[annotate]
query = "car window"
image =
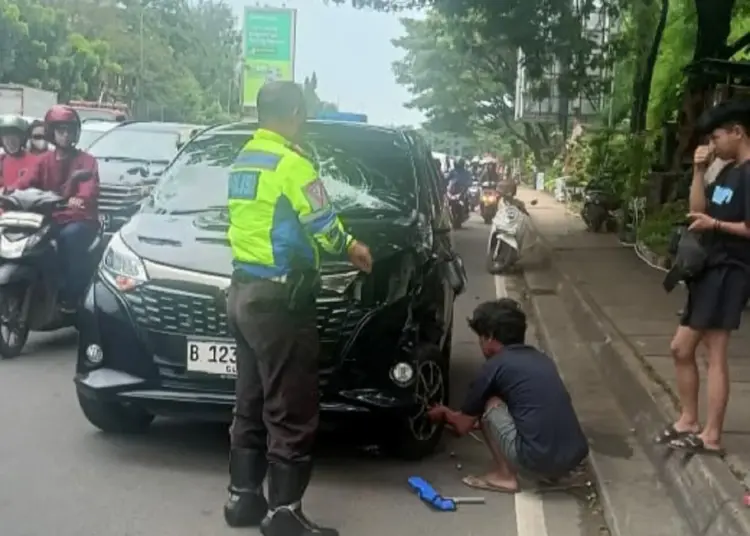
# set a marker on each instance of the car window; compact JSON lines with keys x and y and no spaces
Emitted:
{"x":136,"y":144}
{"x":373,"y":173}
{"x":89,"y":136}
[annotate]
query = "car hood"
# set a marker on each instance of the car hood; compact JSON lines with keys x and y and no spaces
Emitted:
{"x":116,"y":172}
{"x":199,"y":243}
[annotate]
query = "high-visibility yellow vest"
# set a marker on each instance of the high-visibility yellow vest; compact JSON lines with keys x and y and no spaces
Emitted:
{"x":279,"y":210}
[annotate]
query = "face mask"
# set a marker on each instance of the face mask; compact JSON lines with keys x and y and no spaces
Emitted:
{"x":39,"y":145}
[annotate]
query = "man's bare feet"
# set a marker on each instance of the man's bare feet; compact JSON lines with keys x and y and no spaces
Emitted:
{"x":493,"y":482}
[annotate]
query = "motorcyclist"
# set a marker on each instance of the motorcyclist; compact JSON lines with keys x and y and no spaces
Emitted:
{"x":16,"y":163}
{"x":37,"y":140}
{"x":78,"y":223}
{"x":459,"y":179}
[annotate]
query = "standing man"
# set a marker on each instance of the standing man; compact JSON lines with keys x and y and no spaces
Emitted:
{"x":279,"y":213}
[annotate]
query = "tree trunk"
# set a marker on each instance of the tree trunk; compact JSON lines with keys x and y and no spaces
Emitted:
{"x":714,"y":26}
{"x":642,"y":83}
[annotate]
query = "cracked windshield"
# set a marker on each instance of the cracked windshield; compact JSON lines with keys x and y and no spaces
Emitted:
{"x":323,"y":267}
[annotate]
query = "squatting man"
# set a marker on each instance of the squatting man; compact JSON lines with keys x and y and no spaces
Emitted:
{"x":520,"y":404}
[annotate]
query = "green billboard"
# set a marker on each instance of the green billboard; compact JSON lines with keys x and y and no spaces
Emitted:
{"x":269,"y":36}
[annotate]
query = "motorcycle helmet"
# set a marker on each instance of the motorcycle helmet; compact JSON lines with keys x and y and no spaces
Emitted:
{"x":62,"y":115}
{"x":15,"y":124}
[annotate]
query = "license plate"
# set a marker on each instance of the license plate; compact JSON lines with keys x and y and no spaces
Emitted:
{"x":212,"y":357}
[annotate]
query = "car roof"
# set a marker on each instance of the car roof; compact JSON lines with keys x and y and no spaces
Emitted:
{"x":157,"y":126}
{"x":102,"y":126}
{"x":349,"y":128}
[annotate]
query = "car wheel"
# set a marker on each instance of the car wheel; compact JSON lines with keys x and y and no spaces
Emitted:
{"x":414,"y":437}
{"x":114,"y":418}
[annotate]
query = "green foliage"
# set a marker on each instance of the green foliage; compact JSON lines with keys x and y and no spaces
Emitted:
{"x":462,"y":77}
{"x":544,"y":29}
{"x":615,"y":161}
{"x":656,"y":230}
{"x":172,"y":59}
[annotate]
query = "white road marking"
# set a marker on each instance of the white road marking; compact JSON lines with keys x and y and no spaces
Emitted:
{"x":530,"y":519}
{"x":501,"y":291}
{"x":530,"y":514}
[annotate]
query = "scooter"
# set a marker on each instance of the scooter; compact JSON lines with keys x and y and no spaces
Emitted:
{"x":459,"y":209}
{"x":474,"y":193}
{"x":598,"y":210}
{"x":507,"y":234}
{"x":488,"y":204}
{"x":29,"y":267}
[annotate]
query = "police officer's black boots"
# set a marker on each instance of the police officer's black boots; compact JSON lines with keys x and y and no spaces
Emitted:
{"x":287,"y":483}
{"x":246,"y":506}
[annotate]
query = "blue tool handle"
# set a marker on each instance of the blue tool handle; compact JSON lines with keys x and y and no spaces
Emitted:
{"x":427,"y":494}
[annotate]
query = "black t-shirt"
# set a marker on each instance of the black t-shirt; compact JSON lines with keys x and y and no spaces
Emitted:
{"x":550,"y":439}
{"x":728,"y":199}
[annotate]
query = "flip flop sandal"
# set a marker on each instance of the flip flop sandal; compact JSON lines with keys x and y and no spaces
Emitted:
{"x":476,"y":482}
{"x":693,"y":444}
{"x":670,"y":434}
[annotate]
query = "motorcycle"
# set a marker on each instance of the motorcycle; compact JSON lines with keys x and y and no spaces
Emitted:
{"x":474,"y":194}
{"x":29,"y":268}
{"x":507,"y":234}
{"x":598,"y":210}
{"x":488,"y":204}
{"x":459,"y":209}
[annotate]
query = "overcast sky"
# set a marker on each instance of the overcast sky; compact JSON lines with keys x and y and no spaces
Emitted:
{"x":351,"y":52}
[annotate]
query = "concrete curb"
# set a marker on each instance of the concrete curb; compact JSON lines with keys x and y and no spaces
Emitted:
{"x":704,"y":490}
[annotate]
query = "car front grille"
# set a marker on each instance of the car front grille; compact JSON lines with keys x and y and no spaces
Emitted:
{"x":192,"y":314}
{"x":116,"y":197}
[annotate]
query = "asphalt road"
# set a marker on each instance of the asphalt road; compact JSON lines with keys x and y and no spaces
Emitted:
{"x":59,"y":476}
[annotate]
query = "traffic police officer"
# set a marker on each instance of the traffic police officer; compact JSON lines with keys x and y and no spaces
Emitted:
{"x":279,"y":213}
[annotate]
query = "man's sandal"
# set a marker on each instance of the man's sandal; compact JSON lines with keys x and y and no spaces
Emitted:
{"x":693,"y":444}
{"x":669,"y":434}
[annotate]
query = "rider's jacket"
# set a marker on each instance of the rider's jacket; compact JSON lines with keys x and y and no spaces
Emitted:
{"x":279,"y":209}
{"x":53,"y":172}
{"x":13,"y":168}
{"x":460,"y":179}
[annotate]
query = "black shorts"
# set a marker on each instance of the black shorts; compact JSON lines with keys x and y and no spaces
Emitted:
{"x":716,"y":300}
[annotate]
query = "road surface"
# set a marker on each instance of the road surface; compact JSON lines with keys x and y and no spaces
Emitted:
{"x":59,"y":476}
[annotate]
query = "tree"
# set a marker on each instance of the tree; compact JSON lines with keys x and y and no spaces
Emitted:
{"x":547,"y":31}
{"x":314,"y":105}
{"x":463,"y":82}
{"x":170,"y":59}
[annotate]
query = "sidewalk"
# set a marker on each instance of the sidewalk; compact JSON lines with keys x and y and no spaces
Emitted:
{"x":633,"y":316}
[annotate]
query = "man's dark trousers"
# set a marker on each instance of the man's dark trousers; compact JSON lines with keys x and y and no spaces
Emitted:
{"x":276,"y":413}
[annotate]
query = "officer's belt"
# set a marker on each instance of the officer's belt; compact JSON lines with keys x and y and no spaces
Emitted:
{"x":296,"y":291}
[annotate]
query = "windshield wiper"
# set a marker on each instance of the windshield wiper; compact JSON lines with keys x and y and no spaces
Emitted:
{"x":121,"y":159}
{"x":215,"y":208}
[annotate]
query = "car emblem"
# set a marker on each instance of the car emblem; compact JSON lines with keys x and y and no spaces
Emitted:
{"x":105,"y":220}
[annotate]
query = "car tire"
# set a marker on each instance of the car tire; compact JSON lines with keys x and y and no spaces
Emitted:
{"x":411,"y":437}
{"x":114,"y":418}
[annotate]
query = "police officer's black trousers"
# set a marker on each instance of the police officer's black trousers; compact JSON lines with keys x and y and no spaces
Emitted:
{"x":277,"y":407}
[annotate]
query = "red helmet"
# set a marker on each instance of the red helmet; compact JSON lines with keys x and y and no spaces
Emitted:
{"x":61,"y":114}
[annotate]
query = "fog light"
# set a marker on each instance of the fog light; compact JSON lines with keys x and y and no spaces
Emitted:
{"x":402,"y":373}
{"x":94,"y":354}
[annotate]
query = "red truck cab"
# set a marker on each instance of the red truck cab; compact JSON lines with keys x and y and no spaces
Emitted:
{"x":101,"y":111}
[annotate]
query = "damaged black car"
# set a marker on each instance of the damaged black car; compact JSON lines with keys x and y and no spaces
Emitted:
{"x":153,"y":334}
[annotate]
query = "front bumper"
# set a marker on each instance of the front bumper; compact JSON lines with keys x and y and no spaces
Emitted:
{"x":144,"y":365}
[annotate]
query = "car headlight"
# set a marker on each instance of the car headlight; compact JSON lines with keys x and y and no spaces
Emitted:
{"x":339,"y":283}
{"x":121,"y":267}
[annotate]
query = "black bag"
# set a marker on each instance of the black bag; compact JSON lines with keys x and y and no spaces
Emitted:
{"x":690,"y":261}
